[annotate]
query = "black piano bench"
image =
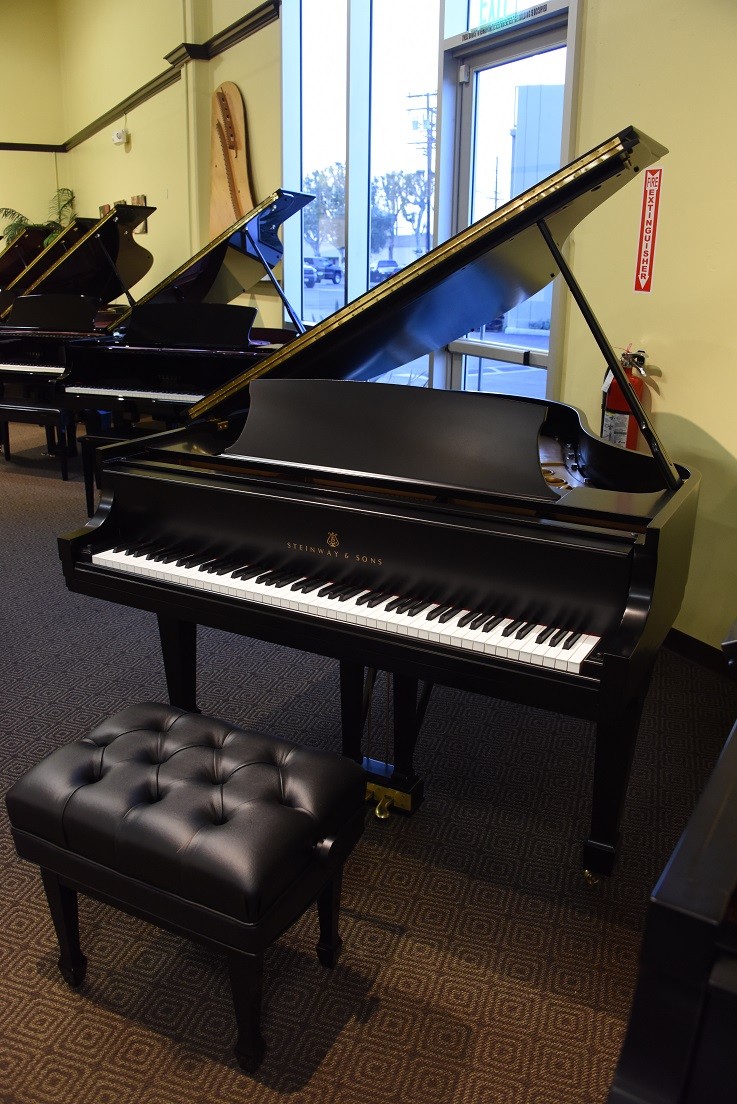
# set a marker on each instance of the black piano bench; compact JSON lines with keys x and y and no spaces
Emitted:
{"x":215,"y":832}
{"x":61,"y":429}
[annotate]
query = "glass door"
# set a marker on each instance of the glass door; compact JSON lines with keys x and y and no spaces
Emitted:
{"x":511,"y":121}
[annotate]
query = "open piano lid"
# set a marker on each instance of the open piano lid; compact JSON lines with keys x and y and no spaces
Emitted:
{"x":485,"y":270}
{"x":90,"y":257}
{"x":206,"y":277}
{"x":19,"y":253}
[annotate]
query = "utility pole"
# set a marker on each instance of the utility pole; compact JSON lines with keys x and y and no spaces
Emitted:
{"x":426,"y":123}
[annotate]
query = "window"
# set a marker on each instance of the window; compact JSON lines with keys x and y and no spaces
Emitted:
{"x":367,"y":147}
{"x":512,"y":80}
{"x":366,"y":140}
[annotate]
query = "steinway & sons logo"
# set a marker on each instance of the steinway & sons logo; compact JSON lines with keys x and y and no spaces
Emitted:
{"x":331,"y":547}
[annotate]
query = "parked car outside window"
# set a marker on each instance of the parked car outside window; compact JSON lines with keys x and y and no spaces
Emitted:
{"x":326,"y":268}
{"x":383,"y":270}
{"x":308,"y":274}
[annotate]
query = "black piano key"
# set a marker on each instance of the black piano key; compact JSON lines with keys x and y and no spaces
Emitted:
{"x":467,"y":618}
{"x":142,"y":548}
{"x":572,"y":639}
{"x":351,"y":593}
{"x":512,"y":628}
{"x":267,"y":576}
{"x":309,"y":586}
{"x":418,"y":607}
{"x":250,"y":572}
{"x":395,"y":603}
{"x":207,"y":564}
{"x":193,"y":560}
{"x":166,"y":555}
{"x":439,"y":609}
{"x":223,"y":566}
{"x":525,"y":630}
{"x":366,"y":598}
{"x":287,"y":578}
{"x":557,"y":638}
{"x":329,"y":591}
{"x":377,"y":599}
{"x":450,"y":612}
{"x":545,"y":634}
{"x":493,"y":623}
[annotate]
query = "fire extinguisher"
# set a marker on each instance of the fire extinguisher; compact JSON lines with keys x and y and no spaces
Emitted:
{"x":618,"y":424}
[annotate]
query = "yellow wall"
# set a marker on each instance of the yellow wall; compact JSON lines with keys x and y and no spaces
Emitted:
{"x":30,"y":105}
{"x":668,"y":67}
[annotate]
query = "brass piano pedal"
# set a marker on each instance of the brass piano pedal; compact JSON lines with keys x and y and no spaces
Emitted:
{"x":590,"y":878}
{"x":383,"y":807}
{"x":387,"y":799}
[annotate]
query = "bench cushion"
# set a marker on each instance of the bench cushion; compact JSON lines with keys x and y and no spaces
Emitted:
{"x":210,"y":813}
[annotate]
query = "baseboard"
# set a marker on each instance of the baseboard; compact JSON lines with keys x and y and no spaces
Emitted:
{"x":695,"y":650}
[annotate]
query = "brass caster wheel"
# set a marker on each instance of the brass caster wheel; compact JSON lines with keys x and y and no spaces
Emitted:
{"x":590,"y":878}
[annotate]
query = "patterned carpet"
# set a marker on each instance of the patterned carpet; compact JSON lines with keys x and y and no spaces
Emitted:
{"x":478,"y":968}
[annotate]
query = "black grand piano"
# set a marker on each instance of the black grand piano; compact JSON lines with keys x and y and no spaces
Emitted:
{"x":61,"y":293}
{"x":485,"y":542}
{"x":185,"y":337}
{"x":19,"y":253}
{"x":98,"y":258}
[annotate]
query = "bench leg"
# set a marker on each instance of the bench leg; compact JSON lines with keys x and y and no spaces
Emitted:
{"x":5,"y":432}
{"x":63,"y":907}
{"x":328,"y":911}
{"x":71,"y":437}
{"x":246,"y":983}
{"x":61,"y":449}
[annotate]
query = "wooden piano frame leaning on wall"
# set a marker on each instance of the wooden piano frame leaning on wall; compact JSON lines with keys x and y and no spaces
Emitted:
{"x":484,"y":542}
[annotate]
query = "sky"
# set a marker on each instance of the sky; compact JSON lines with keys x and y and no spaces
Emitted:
{"x":404,"y":62}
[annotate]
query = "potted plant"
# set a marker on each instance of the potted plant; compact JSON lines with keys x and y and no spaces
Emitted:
{"x":61,"y":211}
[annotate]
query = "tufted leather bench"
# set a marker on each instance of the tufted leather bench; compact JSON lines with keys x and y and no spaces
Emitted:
{"x":208,"y":830}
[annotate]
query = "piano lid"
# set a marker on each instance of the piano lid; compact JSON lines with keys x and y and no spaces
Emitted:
{"x":212,"y":275}
{"x":96,"y":257}
{"x":485,"y":270}
{"x":19,"y":253}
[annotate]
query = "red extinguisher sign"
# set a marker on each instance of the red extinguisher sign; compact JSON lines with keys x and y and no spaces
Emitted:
{"x":648,"y":229}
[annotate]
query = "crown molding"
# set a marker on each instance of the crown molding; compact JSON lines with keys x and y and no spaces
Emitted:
{"x":180,"y":56}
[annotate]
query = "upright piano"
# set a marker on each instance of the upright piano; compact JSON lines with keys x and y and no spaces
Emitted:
{"x":485,"y":542}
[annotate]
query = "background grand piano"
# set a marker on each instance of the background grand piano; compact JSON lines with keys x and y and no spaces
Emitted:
{"x":56,"y":296}
{"x":153,"y":358}
{"x":485,"y":542}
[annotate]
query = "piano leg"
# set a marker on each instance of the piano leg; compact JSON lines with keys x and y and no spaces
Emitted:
{"x":351,"y":708}
{"x":615,"y":747}
{"x":179,"y":649}
{"x":391,"y":785}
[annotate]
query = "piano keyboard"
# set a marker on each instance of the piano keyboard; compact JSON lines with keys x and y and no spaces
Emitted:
{"x":124,"y":393}
{"x":478,"y":631}
{"x":35,"y":369}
